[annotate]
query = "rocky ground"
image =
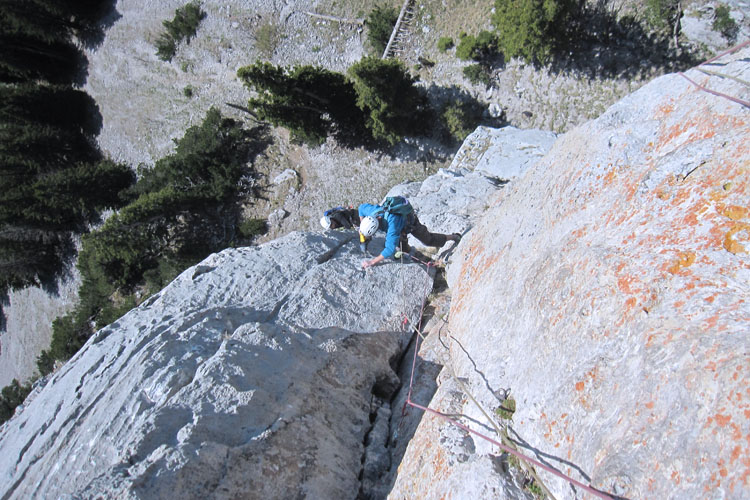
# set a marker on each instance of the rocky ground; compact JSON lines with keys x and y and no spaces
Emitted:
{"x":145,"y":103}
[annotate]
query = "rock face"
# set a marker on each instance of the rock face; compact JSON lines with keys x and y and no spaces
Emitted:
{"x":274,"y":361}
{"x":606,"y":291}
{"x":254,"y":374}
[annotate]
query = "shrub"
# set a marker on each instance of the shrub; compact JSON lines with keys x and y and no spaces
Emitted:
{"x":531,"y":29}
{"x":266,"y":39}
{"x":478,"y":73}
{"x":380,"y":23}
{"x":445,"y":43}
{"x":724,"y":24}
{"x":460,"y":118}
{"x":183,"y":26}
{"x":12,"y":396}
{"x":661,"y":14}
{"x":249,"y":228}
{"x":479,"y":48}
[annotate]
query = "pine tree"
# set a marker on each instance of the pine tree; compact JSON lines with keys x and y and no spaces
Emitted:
{"x":386,"y":92}
{"x":531,"y":29}
{"x":311,"y":102}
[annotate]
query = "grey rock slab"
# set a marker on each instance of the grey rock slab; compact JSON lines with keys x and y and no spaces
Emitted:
{"x":504,"y":153}
{"x":607,"y":289}
{"x":210,"y":387}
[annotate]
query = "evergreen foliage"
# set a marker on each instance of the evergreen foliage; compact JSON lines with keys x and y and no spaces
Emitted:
{"x":183,"y":26}
{"x":662,"y":14}
{"x":478,"y":73}
{"x":311,"y":102}
{"x":380,"y":23}
{"x":724,"y":24}
{"x":479,"y":48}
{"x":161,"y":231}
{"x":12,"y":396}
{"x":445,"y":43}
{"x":53,"y":180}
{"x":531,"y":29}
{"x":461,"y":118}
{"x":386,"y":92}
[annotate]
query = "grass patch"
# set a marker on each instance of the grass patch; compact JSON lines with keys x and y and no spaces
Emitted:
{"x":267,"y":38}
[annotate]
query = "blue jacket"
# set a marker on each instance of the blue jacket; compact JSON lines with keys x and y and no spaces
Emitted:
{"x":392,"y":224}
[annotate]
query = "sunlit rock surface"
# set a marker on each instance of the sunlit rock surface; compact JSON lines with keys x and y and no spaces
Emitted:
{"x":607,"y":290}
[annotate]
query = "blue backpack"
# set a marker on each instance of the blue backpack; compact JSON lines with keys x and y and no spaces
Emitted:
{"x":397,"y":205}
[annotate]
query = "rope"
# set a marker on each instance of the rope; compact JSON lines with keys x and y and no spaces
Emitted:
{"x":713,"y":92}
{"x":447,"y":418}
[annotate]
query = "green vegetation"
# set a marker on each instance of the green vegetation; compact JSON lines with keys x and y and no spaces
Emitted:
{"x":507,"y":409}
{"x":386,"y":93}
{"x":479,"y":48}
{"x":183,"y":26}
{"x":535,"y":489}
{"x":377,"y":100}
{"x":445,"y":43}
{"x":312,"y":102}
{"x":53,"y":180}
{"x":531,"y":29}
{"x":266,"y":39}
{"x":249,"y":228}
{"x":180,"y":210}
{"x":12,"y":396}
{"x":380,"y":23}
{"x":461,"y":118}
{"x":662,"y":14}
{"x":478,"y":73}
{"x":724,"y":24}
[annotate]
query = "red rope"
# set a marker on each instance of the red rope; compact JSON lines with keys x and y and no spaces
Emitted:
{"x":728,"y":51}
{"x":720,"y":94}
{"x":521,"y":456}
{"x":512,"y":451}
{"x":701,"y":87}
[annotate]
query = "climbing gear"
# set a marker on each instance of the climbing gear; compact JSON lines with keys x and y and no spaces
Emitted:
{"x":368,"y":226}
{"x":325,"y":221}
{"x":396,"y":205}
{"x":363,"y":241}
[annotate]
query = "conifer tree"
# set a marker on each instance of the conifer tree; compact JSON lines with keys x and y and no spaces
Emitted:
{"x":387,"y":94}
{"x":312,"y":102}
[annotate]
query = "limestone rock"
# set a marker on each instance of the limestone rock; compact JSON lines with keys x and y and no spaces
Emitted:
{"x":252,"y":375}
{"x":607,"y":289}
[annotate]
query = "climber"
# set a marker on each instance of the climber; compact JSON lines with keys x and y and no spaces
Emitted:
{"x":397,"y":218}
{"x":339,"y":217}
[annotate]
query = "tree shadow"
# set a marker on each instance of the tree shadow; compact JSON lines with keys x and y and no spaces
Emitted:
{"x":101,"y":19}
{"x":4,"y":301}
{"x":601,"y":45}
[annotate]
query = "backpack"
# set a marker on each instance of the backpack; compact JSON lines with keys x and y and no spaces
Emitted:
{"x":346,"y":217}
{"x":397,"y":205}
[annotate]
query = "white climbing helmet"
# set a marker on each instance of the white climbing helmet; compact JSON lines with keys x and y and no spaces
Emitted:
{"x":368,"y":226}
{"x":325,"y":221}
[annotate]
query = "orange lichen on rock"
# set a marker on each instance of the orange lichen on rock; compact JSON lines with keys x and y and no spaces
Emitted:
{"x":684,"y":259}
{"x":735,"y":212}
{"x":731,"y":244}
